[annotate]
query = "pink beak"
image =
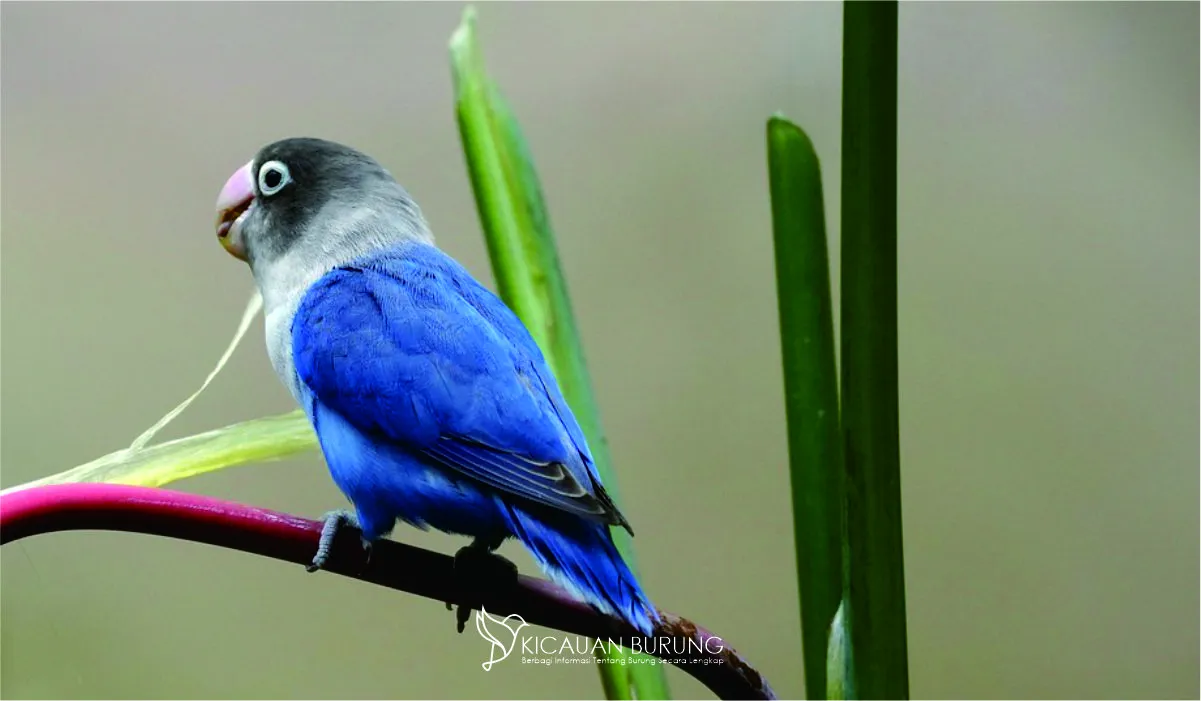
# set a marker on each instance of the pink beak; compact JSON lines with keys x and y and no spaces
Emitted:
{"x":232,"y":205}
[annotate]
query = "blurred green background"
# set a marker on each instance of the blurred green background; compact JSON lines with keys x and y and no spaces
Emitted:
{"x":1048,"y":326}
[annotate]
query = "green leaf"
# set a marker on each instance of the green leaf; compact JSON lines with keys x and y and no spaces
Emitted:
{"x":810,"y":385}
{"x":875,"y":574}
{"x":268,"y":438}
{"x":521,"y":245}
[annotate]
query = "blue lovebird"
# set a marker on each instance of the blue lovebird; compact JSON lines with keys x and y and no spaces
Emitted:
{"x":431,"y":402}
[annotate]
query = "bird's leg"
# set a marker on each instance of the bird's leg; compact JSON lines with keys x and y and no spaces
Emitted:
{"x":479,"y":567}
{"x":334,"y":521}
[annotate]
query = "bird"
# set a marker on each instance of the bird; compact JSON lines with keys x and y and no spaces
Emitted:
{"x":432,"y":403}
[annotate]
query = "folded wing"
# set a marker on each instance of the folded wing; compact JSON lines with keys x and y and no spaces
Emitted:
{"x":409,"y":347}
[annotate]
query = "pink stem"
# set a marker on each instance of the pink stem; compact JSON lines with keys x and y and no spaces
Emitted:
{"x":185,"y":516}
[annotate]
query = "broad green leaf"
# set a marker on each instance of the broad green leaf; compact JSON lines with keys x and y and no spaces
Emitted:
{"x":810,"y":385}
{"x":521,"y":245}
{"x":268,"y":438}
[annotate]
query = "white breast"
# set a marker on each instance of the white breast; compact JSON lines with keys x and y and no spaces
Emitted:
{"x":283,"y":285}
{"x":279,"y":346}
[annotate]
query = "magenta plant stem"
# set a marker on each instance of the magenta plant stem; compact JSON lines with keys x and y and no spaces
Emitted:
{"x":65,"y":507}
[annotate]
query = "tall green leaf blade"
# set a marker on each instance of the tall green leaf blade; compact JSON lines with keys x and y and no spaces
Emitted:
{"x":268,"y":438}
{"x":810,"y":385}
{"x":875,"y":576}
{"x":560,"y":330}
{"x":521,"y":245}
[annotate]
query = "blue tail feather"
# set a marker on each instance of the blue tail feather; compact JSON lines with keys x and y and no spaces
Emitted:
{"x":581,"y":557}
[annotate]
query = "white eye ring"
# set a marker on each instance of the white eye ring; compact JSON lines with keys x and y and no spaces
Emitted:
{"x":277,"y":173}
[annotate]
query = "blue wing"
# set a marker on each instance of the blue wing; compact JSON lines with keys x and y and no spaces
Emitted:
{"x":407,"y":346}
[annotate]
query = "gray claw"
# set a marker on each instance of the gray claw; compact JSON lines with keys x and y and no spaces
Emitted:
{"x":334,"y":521}
{"x":462,"y":615}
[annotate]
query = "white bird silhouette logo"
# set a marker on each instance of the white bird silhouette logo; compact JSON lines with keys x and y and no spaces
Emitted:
{"x":486,"y":634}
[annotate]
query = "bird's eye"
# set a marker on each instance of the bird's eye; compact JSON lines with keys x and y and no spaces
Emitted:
{"x":273,"y":176}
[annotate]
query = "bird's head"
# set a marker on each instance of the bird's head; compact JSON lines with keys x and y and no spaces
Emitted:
{"x":313,"y":199}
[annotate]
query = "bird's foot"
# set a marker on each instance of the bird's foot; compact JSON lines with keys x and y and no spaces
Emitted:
{"x":333,"y":522}
{"x":462,"y":615}
{"x":481,"y":568}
